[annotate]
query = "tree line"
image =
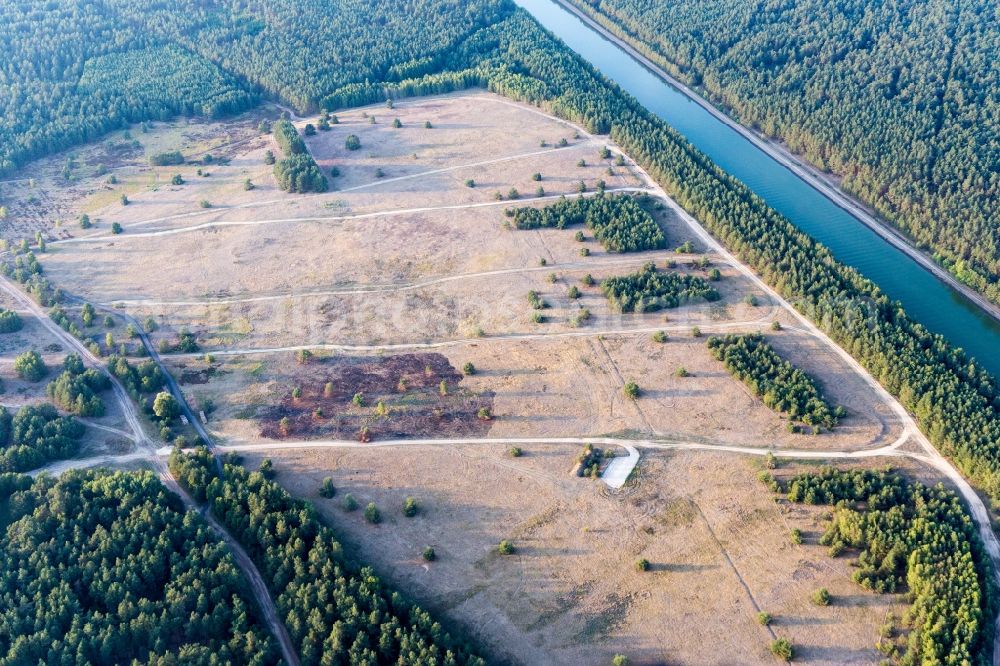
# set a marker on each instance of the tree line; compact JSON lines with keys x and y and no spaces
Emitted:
{"x":620,"y":223}
{"x":115,"y":571}
{"x":781,"y":385}
{"x":335,"y":612}
{"x":899,"y":99}
{"x":649,"y":290}
{"x":297,"y":171}
{"x":912,"y":537}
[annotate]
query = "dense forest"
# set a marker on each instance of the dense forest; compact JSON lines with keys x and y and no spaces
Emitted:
{"x":35,"y":435}
{"x":649,"y":290}
{"x":781,"y":385}
{"x":71,"y":70}
{"x":108,"y":568}
{"x":335,"y":613}
{"x":901,"y":99}
{"x":912,"y":538}
{"x":620,"y":223}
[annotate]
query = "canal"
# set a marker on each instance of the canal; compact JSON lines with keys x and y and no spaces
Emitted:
{"x":925,"y":298}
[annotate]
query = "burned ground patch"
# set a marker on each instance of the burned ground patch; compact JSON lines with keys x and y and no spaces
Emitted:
{"x":408,"y":395}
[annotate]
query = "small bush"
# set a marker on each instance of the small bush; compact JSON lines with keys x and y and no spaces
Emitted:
{"x":429,"y":554}
{"x":681,"y":372}
{"x":350,"y":504}
{"x":177,"y":179}
{"x":764,"y":618}
{"x":468,"y":369}
{"x":797,"y":538}
{"x":10,"y":321}
{"x":695,"y":332}
{"x":660,"y":336}
{"x":30,"y":366}
{"x":775,"y":325}
{"x":352,"y":142}
{"x":470,"y":183}
{"x":782,"y":649}
{"x":266,"y":467}
{"x":327,"y":489}
{"x":515,"y":452}
{"x":410,"y":507}
{"x":372,"y":514}
{"x":505,"y":547}
{"x":631,"y":390}
{"x":821,"y":597}
{"x":204,"y":203}
{"x":116,"y":228}
{"x":642,"y":564}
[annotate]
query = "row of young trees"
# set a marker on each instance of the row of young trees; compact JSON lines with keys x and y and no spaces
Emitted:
{"x":297,"y":171}
{"x":781,"y":385}
{"x":108,"y":568}
{"x":900,"y":99}
{"x":334,"y":612}
{"x":909,"y":536}
{"x":35,"y":435}
{"x":620,"y":223}
{"x":650,"y":290}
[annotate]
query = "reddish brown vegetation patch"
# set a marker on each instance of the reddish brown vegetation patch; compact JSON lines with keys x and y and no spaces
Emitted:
{"x":401,"y":396}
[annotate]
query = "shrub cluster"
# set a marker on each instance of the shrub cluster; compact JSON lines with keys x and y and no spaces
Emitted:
{"x":75,"y":389}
